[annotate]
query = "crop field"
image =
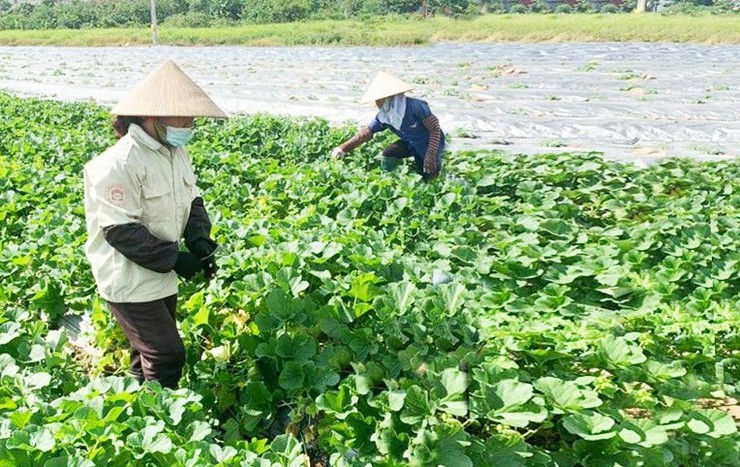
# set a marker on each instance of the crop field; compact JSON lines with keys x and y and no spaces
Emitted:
{"x":541,"y":310}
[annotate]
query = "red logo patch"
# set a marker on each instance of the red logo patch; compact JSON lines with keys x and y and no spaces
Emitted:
{"x":116,"y":195}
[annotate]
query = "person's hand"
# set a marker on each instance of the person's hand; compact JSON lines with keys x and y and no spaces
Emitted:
{"x":430,"y":164}
{"x":338,"y":153}
{"x":187,"y":265}
{"x":204,"y":249}
{"x":210,"y":268}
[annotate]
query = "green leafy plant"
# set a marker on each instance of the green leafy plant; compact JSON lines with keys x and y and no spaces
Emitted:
{"x":520,"y":310}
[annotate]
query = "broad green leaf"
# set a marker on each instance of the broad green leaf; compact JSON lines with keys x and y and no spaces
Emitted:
{"x":363,"y":287}
{"x":454,"y":381}
{"x":69,"y":461}
{"x":8,"y":404}
{"x":298,"y":285}
{"x":487,"y":180}
{"x":566,"y":395}
{"x":699,"y":426}
{"x":454,"y":297}
{"x":292,"y":376}
{"x":416,"y":406}
{"x":160,"y":443}
{"x":201,"y":317}
{"x":712,"y":422}
{"x":396,"y":400}
{"x":513,"y":393}
{"x":664,"y":371}
{"x":389,"y":442}
{"x":320,"y":378}
{"x":458,"y":408}
{"x":670,"y":417}
{"x":324,"y":275}
{"x":520,"y":418}
{"x":8,"y":366}
{"x":195,"y":301}
{"x":222,"y":454}
{"x":221,"y":353}
{"x":41,"y":439}
{"x":363,"y":385}
{"x":528,"y":222}
{"x":589,"y":425}
{"x":231,"y":429}
{"x":20,"y":418}
{"x":335,"y":402}
{"x":501,"y":450}
{"x":508,"y":402}
{"x":176,"y":410}
{"x":9,"y":331}
{"x":287,"y":446}
{"x":280,"y":305}
{"x":644,"y":432}
{"x":301,"y":347}
{"x":631,"y":435}
{"x":619,"y":353}
{"x":610,"y":277}
{"x":401,"y":295}
{"x":37,"y":354}
{"x":451,"y":454}
{"x":557,"y":227}
{"x":201,"y":430}
{"x":20,"y":439}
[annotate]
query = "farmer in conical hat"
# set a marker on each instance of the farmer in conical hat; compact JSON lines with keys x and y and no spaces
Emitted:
{"x":410,"y":119}
{"x":141,"y":199}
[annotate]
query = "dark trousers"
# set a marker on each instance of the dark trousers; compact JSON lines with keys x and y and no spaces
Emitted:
{"x":157,"y":351}
{"x":400,"y":150}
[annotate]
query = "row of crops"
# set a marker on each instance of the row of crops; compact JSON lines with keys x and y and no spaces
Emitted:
{"x":520,"y":311}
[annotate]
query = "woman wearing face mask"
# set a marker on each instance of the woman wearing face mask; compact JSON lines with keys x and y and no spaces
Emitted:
{"x":140,"y":201}
{"x":410,"y":119}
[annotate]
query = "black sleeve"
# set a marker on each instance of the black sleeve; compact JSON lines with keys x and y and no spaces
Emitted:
{"x":137,"y":244}
{"x":199,"y":225}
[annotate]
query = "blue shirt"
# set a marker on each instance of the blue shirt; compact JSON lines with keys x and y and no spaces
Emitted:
{"x":412,"y":131}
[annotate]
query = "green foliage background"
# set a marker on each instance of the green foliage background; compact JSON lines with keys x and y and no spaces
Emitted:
{"x":76,"y":14}
{"x":543,"y":310}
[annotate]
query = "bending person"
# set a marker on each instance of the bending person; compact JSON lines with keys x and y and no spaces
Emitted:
{"x":410,"y":119}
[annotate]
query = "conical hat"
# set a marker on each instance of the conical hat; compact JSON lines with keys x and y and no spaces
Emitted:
{"x":168,"y":92}
{"x":384,"y":85}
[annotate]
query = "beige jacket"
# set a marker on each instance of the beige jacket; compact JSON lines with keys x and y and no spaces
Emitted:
{"x":136,"y":180}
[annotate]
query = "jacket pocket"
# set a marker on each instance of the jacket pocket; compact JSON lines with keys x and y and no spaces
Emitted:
{"x":190,"y":180}
{"x":158,"y":203}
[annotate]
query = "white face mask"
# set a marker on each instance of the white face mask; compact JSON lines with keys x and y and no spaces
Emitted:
{"x":178,"y":137}
{"x":393,"y":110}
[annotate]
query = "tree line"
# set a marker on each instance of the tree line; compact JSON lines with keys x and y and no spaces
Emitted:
{"x":77,"y":14}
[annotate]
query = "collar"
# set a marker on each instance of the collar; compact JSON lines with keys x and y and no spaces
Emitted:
{"x":142,"y":137}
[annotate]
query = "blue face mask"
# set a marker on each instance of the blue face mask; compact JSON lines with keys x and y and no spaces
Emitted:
{"x":178,"y":137}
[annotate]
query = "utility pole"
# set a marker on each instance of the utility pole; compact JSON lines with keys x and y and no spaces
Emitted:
{"x":154,"y":21}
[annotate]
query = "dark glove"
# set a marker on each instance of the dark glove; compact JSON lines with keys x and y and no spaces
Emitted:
{"x":210,"y":267}
{"x":187,"y":265}
{"x":204,"y":249}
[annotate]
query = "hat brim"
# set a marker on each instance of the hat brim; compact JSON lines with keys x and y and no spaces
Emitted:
{"x":168,"y":92}
{"x":384,"y":85}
